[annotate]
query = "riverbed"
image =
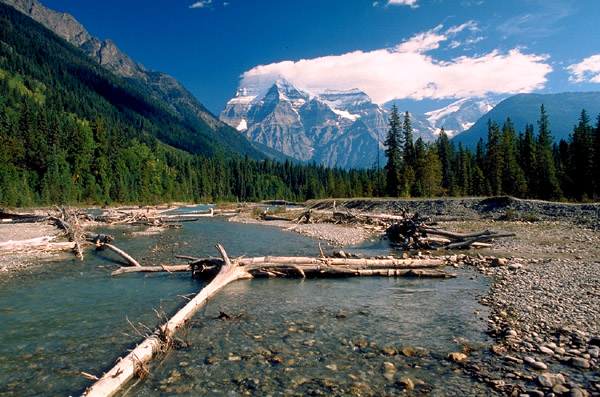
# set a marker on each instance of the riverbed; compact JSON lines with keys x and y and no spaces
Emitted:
{"x":332,"y":336}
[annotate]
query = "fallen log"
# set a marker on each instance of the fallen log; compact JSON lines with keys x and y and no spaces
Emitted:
{"x":68,"y":221}
{"x":122,"y":253}
{"x":160,"y":340}
{"x":152,"y":269}
{"x":242,"y":268}
{"x":43,"y":244}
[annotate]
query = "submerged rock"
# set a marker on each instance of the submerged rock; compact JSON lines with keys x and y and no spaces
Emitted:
{"x":457,"y":357}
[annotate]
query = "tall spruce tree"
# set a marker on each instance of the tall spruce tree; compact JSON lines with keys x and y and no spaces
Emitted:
{"x":548,"y":187}
{"x":582,"y":144}
{"x":393,"y":152}
{"x":445,"y":152}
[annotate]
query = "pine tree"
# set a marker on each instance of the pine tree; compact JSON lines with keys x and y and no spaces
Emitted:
{"x":494,"y":158}
{"x":513,"y":178}
{"x":548,"y":187}
{"x":528,"y":160}
{"x":393,"y":152}
{"x":582,"y":144}
{"x":445,"y":152}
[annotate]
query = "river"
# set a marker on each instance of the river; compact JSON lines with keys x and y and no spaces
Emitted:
{"x":284,"y":337}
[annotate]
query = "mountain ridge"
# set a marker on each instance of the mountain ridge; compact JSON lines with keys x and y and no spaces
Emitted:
{"x":336,"y":128}
{"x":563,"y":109}
{"x":157,"y":85}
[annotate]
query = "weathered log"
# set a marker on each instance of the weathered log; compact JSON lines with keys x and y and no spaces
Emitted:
{"x":44,"y":244}
{"x":152,"y":269}
{"x":266,"y":217}
{"x":68,"y":221}
{"x":126,"y":368}
{"x":208,"y":214}
{"x":122,"y":253}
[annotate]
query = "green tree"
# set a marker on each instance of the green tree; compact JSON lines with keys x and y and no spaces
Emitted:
{"x":582,"y":158}
{"x":513,"y":178}
{"x":548,"y":187}
{"x":445,"y":152}
{"x":393,"y":152}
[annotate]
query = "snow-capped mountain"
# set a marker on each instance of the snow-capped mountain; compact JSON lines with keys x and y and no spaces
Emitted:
{"x":458,"y":116}
{"x":335,"y":128}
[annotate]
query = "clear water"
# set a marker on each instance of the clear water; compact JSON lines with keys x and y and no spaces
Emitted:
{"x":288,"y":336}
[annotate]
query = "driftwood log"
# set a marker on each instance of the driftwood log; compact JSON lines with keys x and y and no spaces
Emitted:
{"x":227,"y":271}
{"x":69,"y":222}
{"x":414,"y":233}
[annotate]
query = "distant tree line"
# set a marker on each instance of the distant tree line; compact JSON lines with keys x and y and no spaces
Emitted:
{"x":526,"y":165}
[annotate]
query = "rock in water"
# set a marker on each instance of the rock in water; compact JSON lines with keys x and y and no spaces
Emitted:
{"x":456,"y":357}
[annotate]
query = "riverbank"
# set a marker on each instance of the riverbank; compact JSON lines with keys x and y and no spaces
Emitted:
{"x":545,"y":297}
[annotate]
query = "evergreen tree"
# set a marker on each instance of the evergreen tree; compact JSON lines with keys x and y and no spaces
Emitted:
{"x":445,"y":152}
{"x":494,"y":158}
{"x":393,"y":152}
{"x":513,"y":178}
{"x":429,"y":172}
{"x":548,"y":187}
{"x":528,"y":161}
{"x":582,"y":156}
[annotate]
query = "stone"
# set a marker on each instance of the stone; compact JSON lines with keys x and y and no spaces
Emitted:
{"x":535,"y":365}
{"x":497,"y":262}
{"x":361,"y":344}
{"x":559,"y":350}
{"x":550,"y":380}
{"x":578,"y":362}
{"x":546,"y":350}
{"x":389,"y":367}
{"x":577,"y":392}
{"x":406,"y":383}
{"x":535,"y":393}
{"x":594,"y":353}
{"x":595,"y":341}
{"x":515,"y":266}
{"x":456,"y":357}
{"x":389,"y":351}
{"x":276,"y":359}
{"x":409,"y":351}
{"x":560,"y":389}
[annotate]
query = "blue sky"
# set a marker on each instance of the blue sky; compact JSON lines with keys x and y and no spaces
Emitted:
{"x":418,"y":53}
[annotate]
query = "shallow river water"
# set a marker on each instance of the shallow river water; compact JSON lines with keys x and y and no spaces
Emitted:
{"x":284,"y":337}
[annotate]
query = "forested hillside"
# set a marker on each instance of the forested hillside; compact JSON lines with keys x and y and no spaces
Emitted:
{"x":71,"y":132}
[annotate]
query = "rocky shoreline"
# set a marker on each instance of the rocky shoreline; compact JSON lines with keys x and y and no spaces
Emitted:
{"x":545,"y":297}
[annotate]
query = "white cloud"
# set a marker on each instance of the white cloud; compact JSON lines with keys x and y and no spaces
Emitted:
{"x":405,"y":71}
{"x":411,"y":3}
{"x":202,"y":4}
{"x":587,"y":70}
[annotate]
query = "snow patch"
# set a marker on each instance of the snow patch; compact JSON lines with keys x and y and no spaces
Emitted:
{"x":242,"y":126}
{"x":345,"y":114}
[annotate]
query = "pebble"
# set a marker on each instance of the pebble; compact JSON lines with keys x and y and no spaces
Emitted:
{"x":456,"y":357}
{"x":579,"y":362}
{"x":550,"y":380}
{"x":546,"y":350}
{"x":535,"y":365}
